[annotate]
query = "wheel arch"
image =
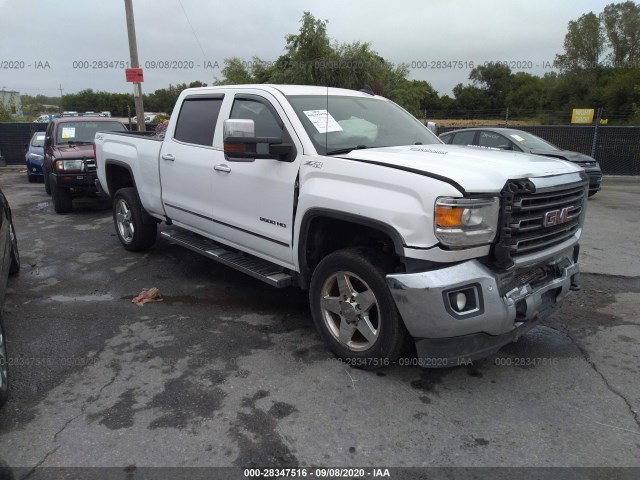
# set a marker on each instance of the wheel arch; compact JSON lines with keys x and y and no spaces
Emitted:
{"x":119,"y":175}
{"x":315,"y":239}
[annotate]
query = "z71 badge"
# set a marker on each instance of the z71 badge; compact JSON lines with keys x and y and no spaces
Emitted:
{"x":314,"y":164}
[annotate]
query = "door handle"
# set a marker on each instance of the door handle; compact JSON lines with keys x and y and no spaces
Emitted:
{"x":222,"y":168}
{"x":169,"y":157}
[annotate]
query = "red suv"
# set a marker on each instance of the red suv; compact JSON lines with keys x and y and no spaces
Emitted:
{"x":69,"y":160}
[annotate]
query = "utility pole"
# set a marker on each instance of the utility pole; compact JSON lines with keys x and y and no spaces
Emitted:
{"x":133,"y":52}
{"x":61,"y":109}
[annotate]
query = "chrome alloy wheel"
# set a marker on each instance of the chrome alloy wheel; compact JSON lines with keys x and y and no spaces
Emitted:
{"x":350,"y":311}
{"x":124,"y":221}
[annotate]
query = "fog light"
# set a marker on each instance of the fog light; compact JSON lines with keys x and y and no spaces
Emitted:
{"x":461,"y":301}
{"x":465,"y":301}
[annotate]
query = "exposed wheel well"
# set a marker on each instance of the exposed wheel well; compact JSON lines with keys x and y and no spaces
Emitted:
{"x":118,"y":177}
{"x":325,"y":235}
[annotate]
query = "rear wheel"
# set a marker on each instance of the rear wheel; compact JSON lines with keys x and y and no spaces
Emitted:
{"x":353,"y":309}
{"x":61,"y":199}
{"x":133,"y":233}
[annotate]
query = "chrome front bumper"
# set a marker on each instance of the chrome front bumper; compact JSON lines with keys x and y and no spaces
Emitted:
{"x":424,"y":302}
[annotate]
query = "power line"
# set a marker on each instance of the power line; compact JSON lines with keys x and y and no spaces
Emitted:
{"x":192,"y":29}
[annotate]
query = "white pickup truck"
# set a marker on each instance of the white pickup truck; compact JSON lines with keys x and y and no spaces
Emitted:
{"x":395,"y":235}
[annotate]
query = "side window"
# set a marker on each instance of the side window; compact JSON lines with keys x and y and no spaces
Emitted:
{"x":494,"y":140}
{"x":197,"y":120}
{"x":463,"y":138}
{"x":446,"y":138}
{"x":266,"y":124}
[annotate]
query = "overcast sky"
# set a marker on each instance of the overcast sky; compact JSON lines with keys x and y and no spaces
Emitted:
{"x":41,"y":41}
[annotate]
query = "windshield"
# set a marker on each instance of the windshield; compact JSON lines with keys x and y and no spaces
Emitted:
{"x":529,"y":141}
{"x":356,"y":122}
{"x":38,"y":140}
{"x":85,"y":132}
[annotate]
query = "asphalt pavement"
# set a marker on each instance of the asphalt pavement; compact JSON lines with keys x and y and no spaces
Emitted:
{"x":228,"y":371}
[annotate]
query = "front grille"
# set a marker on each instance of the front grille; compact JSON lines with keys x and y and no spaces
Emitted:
{"x":533,"y":221}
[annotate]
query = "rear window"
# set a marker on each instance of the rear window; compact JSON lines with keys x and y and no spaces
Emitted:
{"x":197,"y":120}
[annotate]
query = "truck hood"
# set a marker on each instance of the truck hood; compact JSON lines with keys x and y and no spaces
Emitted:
{"x":73,"y":151}
{"x":472,"y":168}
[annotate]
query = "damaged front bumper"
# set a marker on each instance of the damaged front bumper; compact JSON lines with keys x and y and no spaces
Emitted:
{"x":468,"y":311}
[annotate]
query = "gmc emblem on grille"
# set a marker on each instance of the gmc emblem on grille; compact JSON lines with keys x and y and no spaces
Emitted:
{"x":556,"y":217}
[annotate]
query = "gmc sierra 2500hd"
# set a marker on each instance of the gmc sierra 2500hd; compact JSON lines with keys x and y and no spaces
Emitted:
{"x":344,"y":193}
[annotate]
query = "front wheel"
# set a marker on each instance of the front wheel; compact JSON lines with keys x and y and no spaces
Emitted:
{"x":62,"y":199}
{"x":353,"y":309}
{"x":133,"y":233}
{"x":47,"y":182}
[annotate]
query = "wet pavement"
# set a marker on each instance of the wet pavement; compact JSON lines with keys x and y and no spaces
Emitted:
{"x":228,"y":371}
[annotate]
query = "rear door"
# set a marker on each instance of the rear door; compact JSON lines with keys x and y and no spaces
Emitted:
{"x":187,"y":159}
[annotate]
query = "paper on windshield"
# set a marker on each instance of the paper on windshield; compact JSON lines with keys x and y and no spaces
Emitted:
{"x":323,"y":121}
{"x":68,"y":132}
{"x":517,"y":137}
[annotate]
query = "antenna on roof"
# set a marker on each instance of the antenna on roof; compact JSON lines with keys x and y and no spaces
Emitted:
{"x":367,"y":89}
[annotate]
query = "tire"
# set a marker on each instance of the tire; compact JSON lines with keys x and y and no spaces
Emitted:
{"x":4,"y":365}
{"x":47,"y":182}
{"x":14,"y":268}
{"x":133,"y":233}
{"x":62,"y":202}
{"x":365,"y":329}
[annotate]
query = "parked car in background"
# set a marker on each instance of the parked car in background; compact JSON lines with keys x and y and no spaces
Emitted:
{"x":69,"y":160}
{"x":34,"y":156}
{"x":9,"y":265}
{"x":46,"y":118}
{"x":149,"y":117}
{"x":521,"y":141}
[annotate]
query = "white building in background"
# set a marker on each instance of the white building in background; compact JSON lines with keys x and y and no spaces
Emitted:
{"x":10,"y":100}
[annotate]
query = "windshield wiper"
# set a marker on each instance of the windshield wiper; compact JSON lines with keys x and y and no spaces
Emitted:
{"x":347,"y":150}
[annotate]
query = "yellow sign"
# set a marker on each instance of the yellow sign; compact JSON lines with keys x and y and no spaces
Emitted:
{"x":582,"y":115}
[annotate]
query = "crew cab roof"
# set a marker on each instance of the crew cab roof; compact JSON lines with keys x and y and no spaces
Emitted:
{"x":286,"y":90}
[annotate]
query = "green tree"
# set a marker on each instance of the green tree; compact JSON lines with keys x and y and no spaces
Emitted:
{"x":5,"y":115}
{"x":526,"y":94}
{"x":494,"y":80}
{"x":622,"y":26}
{"x":584,"y":44}
{"x":311,"y":58}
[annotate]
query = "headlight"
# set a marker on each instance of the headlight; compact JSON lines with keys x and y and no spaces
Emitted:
{"x":69,"y":166}
{"x":35,"y":156}
{"x":466,"y":222}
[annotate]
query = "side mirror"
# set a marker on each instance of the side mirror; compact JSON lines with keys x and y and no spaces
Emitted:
{"x":240,"y":142}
